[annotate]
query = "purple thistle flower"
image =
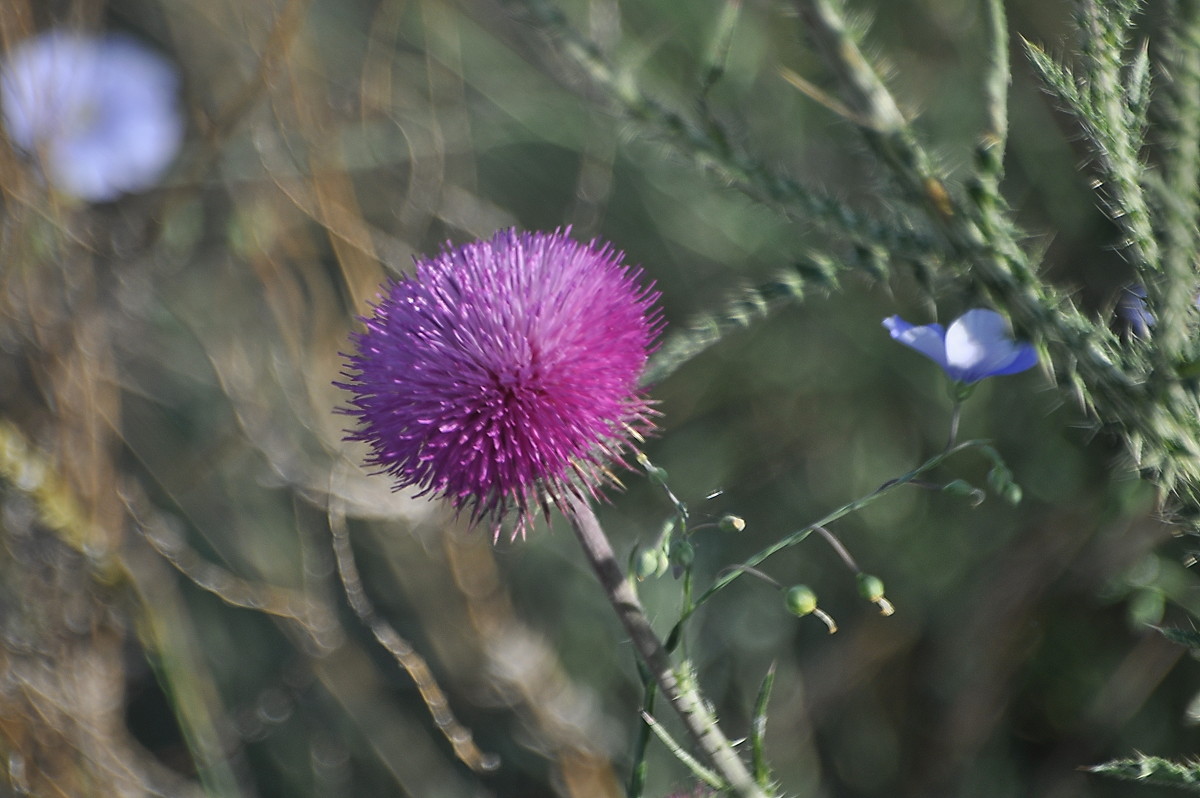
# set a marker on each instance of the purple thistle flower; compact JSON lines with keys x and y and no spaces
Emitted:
{"x":503,"y":374}
{"x":977,"y":345}
{"x":100,"y":114}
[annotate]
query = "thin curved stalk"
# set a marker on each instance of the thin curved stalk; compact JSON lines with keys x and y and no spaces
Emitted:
{"x":683,"y":694}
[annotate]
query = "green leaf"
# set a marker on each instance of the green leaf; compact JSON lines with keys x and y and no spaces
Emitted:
{"x":1137,"y":92}
{"x":758,"y":730}
{"x":1184,"y":637}
{"x":1058,"y":79}
{"x":1153,"y":770}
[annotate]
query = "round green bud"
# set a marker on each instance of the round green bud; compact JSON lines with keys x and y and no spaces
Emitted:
{"x":1012,"y":493}
{"x":683,"y":553}
{"x":800,"y":600}
{"x":999,"y":478}
{"x":646,"y":564}
{"x":870,"y":587}
{"x":1146,"y":608}
{"x":731,"y":523}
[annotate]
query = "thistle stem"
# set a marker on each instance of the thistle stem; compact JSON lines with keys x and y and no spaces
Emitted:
{"x":693,"y":710}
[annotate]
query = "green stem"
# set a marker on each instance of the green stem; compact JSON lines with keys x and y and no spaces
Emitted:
{"x":844,"y":510}
{"x":692,"y":708}
{"x":637,"y":776}
{"x":955,"y":417}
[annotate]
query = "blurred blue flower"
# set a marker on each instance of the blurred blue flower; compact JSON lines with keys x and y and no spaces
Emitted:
{"x":978,"y":344}
{"x":100,"y":113}
{"x":1132,"y":309}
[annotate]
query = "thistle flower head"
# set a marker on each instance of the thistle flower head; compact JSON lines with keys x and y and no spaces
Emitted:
{"x":503,"y":374}
{"x":977,"y":345}
{"x":100,"y":114}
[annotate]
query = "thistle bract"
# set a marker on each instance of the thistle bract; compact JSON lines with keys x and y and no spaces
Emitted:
{"x":977,"y":345}
{"x":503,"y":374}
{"x":100,"y":114}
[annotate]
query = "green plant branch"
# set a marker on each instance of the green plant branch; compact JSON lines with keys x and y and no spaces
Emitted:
{"x":682,"y":693}
{"x":1175,"y":186}
{"x":811,"y":272}
{"x":995,"y":84}
{"x":1137,"y":392}
{"x":705,"y":143}
{"x":802,"y":534}
{"x":1158,"y":415}
{"x":1153,"y":770}
{"x":637,"y":774}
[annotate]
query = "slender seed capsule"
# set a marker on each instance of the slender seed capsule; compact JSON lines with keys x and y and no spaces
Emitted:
{"x":731,"y":523}
{"x":959,"y":487}
{"x":871,"y":588}
{"x":683,"y":553}
{"x":802,"y":601}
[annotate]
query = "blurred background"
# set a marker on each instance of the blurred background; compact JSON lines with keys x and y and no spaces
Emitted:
{"x":172,"y":465}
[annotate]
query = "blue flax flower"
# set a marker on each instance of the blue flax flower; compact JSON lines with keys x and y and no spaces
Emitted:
{"x":1133,"y":310}
{"x":99,"y":114}
{"x":978,"y":344}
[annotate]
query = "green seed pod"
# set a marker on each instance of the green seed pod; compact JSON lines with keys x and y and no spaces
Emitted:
{"x":800,"y":600}
{"x":870,"y":587}
{"x":683,"y":553}
{"x":999,"y":478}
{"x":731,"y":523}
{"x":646,"y":564}
{"x":965,"y":489}
{"x":1146,"y":608}
{"x":662,"y":563}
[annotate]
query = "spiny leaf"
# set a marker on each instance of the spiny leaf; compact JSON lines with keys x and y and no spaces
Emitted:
{"x":1056,"y":77}
{"x":1153,"y":770}
{"x":1137,"y":92}
{"x":1184,"y":637}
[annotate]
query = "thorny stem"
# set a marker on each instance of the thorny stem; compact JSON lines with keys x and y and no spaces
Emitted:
{"x":693,"y":710}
